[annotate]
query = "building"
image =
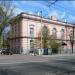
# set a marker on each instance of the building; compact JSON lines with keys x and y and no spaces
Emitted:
{"x":27,"y":27}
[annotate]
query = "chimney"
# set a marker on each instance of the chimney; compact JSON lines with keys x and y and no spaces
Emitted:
{"x":53,"y":18}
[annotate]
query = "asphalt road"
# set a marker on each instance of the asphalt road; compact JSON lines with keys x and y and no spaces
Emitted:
{"x":37,"y":65}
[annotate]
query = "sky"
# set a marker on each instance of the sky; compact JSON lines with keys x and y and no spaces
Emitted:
{"x":64,"y":10}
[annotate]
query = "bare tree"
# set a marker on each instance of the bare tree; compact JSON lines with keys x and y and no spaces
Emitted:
{"x":6,"y":13}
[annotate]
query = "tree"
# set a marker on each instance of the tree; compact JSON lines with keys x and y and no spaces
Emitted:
{"x":54,"y":44}
{"x":45,"y":38}
{"x":48,"y":41}
{"x":1,"y":42}
{"x":6,"y":13}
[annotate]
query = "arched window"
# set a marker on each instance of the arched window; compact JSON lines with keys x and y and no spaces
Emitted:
{"x":54,"y":32}
{"x":31,"y":30}
{"x":62,"y":34}
{"x":71,"y":35}
{"x":71,"y":31}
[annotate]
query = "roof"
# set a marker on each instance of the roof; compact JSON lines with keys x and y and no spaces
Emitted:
{"x":47,"y":20}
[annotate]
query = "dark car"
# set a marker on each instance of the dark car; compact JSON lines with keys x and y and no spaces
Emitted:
{"x":6,"y":52}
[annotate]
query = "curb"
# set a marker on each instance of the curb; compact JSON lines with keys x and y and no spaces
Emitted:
{"x":57,"y":55}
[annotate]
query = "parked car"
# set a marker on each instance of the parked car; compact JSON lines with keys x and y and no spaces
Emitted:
{"x":6,"y":52}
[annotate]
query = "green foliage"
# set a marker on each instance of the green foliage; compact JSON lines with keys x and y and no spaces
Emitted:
{"x":46,"y":36}
{"x":1,"y":42}
{"x":6,"y":13}
{"x":54,"y":44}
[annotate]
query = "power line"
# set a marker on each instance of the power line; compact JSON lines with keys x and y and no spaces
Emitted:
{"x":46,"y":3}
{"x":67,"y":10}
{"x":59,"y":6}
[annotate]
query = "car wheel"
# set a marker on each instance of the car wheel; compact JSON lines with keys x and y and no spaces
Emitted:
{"x":2,"y":53}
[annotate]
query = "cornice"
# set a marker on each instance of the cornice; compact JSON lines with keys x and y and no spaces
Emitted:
{"x":42,"y":19}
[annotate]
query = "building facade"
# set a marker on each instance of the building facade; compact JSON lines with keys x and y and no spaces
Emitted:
{"x":26,"y":29}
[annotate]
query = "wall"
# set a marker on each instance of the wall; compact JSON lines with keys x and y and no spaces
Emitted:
{"x":25,"y":32}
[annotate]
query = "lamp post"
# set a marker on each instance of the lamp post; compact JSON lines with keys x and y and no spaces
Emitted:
{"x":72,"y":38}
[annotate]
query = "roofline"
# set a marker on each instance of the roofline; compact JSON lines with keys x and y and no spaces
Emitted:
{"x":36,"y":17}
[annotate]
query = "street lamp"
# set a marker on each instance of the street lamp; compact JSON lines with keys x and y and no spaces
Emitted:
{"x":72,"y":38}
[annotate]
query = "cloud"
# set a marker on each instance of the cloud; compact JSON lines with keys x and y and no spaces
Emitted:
{"x":35,"y":3}
{"x":18,"y":11}
{"x":54,"y":13}
{"x":36,"y":7}
{"x":72,"y":17}
{"x":63,"y":14}
{"x":58,"y":14}
{"x":40,"y":6}
{"x":16,"y":3}
{"x":72,"y":3}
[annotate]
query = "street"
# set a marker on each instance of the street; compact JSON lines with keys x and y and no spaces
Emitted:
{"x":37,"y":65}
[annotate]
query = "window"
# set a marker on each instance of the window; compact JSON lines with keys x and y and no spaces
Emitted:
{"x":31,"y":44}
{"x":31,"y":30}
{"x":62,"y":34}
{"x":54,"y":32}
{"x":71,"y":35}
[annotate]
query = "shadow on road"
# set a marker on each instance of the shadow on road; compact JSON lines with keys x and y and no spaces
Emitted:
{"x":56,"y":67}
{"x":7,"y":72}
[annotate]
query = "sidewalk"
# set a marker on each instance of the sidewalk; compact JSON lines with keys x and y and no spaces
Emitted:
{"x":57,"y":55}
{"x":21,"y":58}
